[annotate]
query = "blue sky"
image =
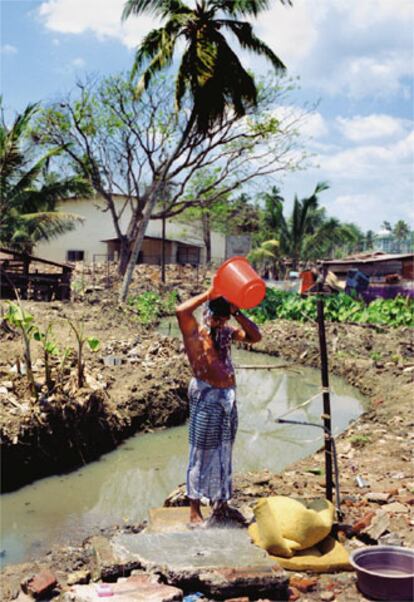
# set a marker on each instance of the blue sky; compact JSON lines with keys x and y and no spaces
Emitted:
{"x":355,"y":57}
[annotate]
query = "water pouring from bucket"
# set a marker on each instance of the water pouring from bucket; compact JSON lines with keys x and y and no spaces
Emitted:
{"x":239,"y":283}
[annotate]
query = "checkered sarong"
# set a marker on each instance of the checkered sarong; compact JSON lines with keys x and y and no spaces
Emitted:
{"x":213,"y":426}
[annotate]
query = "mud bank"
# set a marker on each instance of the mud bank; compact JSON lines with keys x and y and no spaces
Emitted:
{"x":67,"y":429}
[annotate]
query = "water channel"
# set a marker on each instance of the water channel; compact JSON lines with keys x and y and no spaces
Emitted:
{"x":121,"y":486}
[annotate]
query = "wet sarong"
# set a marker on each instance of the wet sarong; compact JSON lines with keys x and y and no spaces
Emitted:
{"x":213,"y":426}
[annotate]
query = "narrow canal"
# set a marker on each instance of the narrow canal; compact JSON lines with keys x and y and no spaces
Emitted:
{"x":121,"y":486}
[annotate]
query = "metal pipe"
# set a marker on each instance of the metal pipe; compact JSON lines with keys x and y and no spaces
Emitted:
{"x":326,"y":397}
{"x":328,"y":434}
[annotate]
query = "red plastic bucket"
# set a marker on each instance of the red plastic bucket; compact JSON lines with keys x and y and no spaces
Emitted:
{"x":238,"y":282}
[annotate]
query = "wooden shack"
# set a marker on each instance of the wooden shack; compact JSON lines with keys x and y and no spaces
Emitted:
{"x":389,"y":274}
{"x":34,"y":278}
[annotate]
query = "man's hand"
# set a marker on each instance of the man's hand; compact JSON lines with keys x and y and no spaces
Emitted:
{"x":233,"y":308}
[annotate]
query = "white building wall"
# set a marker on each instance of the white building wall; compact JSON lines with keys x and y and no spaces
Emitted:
{"x":98,"y":226}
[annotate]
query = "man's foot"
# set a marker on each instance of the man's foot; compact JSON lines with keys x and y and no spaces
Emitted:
{"x":195,"y":513}
{"x":225,"y":516}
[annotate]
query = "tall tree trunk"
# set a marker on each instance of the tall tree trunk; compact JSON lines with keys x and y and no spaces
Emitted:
{"x":123,"y":255}
{"x":159,"y":180}
{"x":136,"y":247}
{"x":205,"y":220}
{"x":163,"y":251}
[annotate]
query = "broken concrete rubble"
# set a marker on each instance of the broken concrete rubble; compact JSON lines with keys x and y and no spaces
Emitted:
{"x":138,"y":588}
{"x":221,"y":562}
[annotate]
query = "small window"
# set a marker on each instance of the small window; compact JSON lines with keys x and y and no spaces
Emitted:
{"x":75,"y":255}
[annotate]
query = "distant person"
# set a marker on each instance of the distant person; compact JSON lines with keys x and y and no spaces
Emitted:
{"x":212,"y":395}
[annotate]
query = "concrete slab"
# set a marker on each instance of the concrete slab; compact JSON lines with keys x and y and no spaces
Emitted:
{"x":220,"y":562}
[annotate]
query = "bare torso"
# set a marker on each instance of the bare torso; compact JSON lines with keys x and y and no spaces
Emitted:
{"x":208,"y":363}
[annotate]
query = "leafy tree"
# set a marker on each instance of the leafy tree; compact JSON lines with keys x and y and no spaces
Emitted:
{"x":140,"y":149}
{"x":28,"y":190}
{"x":209,"y":70}
{"x":224,"y":214}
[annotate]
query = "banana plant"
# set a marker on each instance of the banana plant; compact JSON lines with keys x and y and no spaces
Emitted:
{"x":16,"y":316}
{"x":49,"y":347}
{"x":81,"y":339}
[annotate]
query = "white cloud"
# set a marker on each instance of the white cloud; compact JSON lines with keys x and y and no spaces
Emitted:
{"x":368,"y":160}
{"x":79,"y":62}
{"x":352,"y":47}
{"x":310,"y":124}
{"x":291,"y":32}
{"x":8,"y":49}
{"x":102,"y":18}
{"x":369,"y":127}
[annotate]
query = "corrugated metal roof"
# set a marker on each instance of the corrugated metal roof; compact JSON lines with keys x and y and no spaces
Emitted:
{"x":183,"y":241}
{"x":370,"y":258}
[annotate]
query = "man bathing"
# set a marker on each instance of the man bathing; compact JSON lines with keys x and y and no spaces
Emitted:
{"x":212,"y":395}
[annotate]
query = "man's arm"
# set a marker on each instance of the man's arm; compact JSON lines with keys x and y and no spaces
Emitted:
{"x":249,"y":331}
{"x":184,"y":312}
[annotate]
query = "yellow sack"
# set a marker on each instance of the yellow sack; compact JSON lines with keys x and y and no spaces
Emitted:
{"x":328,"y":556}
{"x":285,"y":525}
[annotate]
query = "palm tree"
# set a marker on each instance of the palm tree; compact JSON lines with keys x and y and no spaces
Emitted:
{"x":369,"y":239}
{"x":308,"y":234}
{"x":209,"y":70}
{"x":294,"y":232}
{"x":28,"y":191}
{"x":267,"y":255}
{"x":401,"y":232}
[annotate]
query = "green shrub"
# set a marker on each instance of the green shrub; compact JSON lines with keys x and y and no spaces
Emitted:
{"x":338,"y":308}
{"x":150,"y":306}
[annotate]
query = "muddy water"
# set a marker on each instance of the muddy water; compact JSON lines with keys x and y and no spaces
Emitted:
{"x":122,"y":485}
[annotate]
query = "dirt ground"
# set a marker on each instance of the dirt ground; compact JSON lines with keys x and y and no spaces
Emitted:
{"x":148,"y":390}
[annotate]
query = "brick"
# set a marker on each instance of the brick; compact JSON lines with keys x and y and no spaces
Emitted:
{"x":303,"y":584}
{"x":294,"y":594}
{"x":40,"y":584}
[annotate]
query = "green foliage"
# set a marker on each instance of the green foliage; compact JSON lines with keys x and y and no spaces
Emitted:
{"x":150,"y":306}
{"x":338,"y":308}
{"x":16,"y":316}
{"x":94,"y":343}
{"x":78,"y":330}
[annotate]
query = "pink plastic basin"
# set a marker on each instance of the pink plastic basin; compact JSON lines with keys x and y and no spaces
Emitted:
{"x":385,"y":572}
